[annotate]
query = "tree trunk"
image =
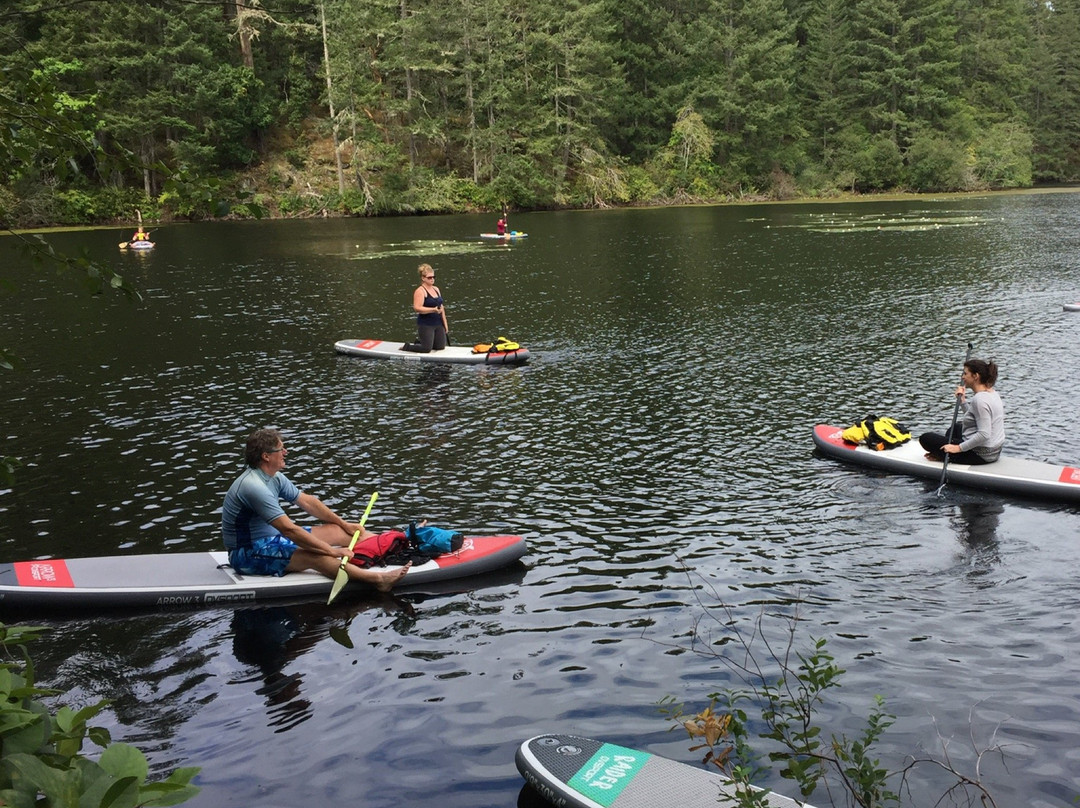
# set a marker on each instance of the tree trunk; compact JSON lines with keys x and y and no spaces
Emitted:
{"x":243,"y":31}
{"x":330,"y":102}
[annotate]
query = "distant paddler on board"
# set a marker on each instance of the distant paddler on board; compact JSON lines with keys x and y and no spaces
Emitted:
{"x":141,"y":239}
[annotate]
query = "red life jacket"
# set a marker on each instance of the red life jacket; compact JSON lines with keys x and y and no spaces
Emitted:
{"x":391,"y":547}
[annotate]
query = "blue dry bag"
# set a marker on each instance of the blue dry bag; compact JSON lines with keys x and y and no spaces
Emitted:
{"x":434,"y":540}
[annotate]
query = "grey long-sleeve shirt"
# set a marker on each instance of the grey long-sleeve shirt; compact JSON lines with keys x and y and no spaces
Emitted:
{"x":983,"y":425}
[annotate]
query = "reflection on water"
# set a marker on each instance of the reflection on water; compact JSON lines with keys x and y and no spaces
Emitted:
{"x":977,"y":525}
{"x":270,"y":638}
{"x":260,"y":639}
{"x":681,"y":358}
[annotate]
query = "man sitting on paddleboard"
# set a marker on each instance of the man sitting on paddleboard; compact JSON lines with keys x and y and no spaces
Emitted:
{"x":263,"y":540}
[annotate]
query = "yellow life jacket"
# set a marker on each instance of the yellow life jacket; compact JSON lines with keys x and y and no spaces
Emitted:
{"x":885,"y":433}
{"x":856,"y":433}
{"x":877,"y":433}
{"x":500,"y":345}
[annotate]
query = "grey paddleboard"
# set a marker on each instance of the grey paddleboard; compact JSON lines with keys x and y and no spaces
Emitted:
{"x":570,"y":771}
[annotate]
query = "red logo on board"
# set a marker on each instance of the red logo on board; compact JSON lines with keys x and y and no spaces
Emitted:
{"x":450,"y":559}
{"x":1070,"y":475}
{"x":52,"y":573}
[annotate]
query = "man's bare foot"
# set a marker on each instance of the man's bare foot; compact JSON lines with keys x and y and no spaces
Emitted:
{"x":386,"y":580}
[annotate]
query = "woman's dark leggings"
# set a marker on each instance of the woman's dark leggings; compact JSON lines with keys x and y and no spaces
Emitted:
{"x":430,"y":337}
{"x":933,"y":441}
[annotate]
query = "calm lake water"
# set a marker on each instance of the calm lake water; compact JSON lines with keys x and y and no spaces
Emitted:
{"x":656,"y":453}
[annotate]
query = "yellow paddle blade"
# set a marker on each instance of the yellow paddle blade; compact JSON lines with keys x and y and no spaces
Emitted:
{"x":342,"y":576}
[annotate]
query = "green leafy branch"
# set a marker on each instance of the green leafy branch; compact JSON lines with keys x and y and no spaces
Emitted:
{"x":41,"y":752}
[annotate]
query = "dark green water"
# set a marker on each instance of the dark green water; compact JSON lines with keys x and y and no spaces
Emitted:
{"x":681,"y":360}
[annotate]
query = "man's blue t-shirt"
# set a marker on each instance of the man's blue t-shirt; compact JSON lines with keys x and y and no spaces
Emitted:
{"x":254,"y":501}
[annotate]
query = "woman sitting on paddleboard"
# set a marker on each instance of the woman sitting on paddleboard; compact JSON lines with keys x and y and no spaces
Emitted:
{"x":431,"y":325}
{"x":981,"y":432}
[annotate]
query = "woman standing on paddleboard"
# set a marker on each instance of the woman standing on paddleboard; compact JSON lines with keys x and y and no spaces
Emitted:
{"x":979,"y":436}
{"x":431,"y":325}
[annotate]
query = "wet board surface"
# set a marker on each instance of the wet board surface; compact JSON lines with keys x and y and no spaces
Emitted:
{"x":1010,"y":475}
{"x":170,"y":580}
{"x":452,"y":354}
{"x":569,"y":770}
{"x":511,"y":235}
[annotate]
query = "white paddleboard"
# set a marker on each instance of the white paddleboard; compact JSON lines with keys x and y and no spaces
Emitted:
{"x":1010,"y":475}
{"x":452,"y":354}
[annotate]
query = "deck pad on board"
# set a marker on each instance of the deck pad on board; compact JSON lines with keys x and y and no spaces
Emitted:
{"x":569,"y":770}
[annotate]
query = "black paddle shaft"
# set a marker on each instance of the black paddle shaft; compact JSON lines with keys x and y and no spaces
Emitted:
{"x":955,"y":414}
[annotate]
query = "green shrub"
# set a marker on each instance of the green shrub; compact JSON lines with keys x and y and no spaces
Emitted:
{"x":41,"y":759}
{"x":74,"y":207}
{"x":1003,"y":156}
{"x":432,"y":193}
{"x":936,"y":163}
{"x":297,"y":158}
{"x":640,"y":185}
{"x":96,"y":205}
{"x":289,"y":204}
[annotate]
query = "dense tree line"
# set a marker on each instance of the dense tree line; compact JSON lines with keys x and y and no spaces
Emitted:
{"x":456,"y":104}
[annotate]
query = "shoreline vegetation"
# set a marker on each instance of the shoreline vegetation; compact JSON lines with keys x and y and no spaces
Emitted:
{"x":191,"y":111}
{"x":838,"y":198}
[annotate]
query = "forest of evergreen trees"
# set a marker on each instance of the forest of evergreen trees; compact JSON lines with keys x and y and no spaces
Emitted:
{"x":448,"y":105}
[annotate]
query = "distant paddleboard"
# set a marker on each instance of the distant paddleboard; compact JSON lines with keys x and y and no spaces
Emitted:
{"x":1009,"y":475}
{"x":510,"y":235}
{"x":1071,"y":307}
{"x":452,"y":354}
{"x":568,"y":770}
{"x":170,"y":580}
